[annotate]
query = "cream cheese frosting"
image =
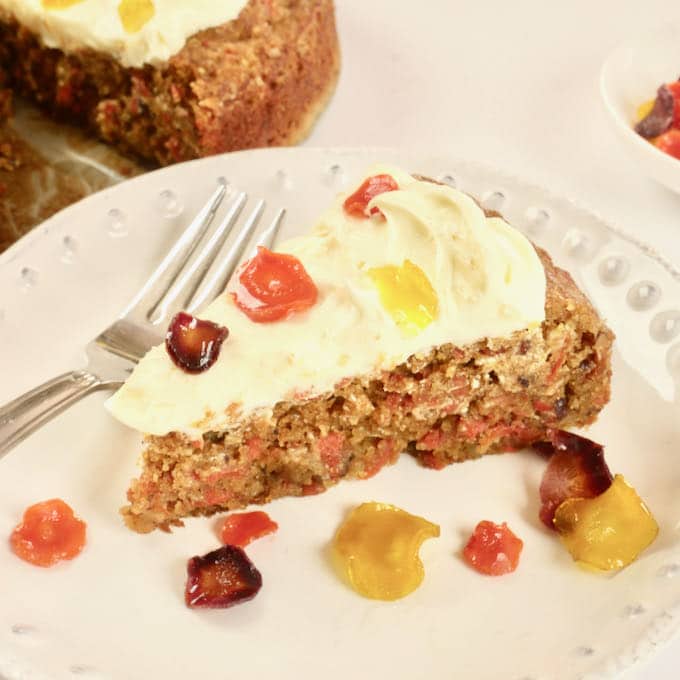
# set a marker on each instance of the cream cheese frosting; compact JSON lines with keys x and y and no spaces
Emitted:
{"x":135,"y":32}
{"x":486,"y":275}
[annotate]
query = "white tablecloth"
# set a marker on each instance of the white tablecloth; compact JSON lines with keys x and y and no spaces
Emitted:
{"x":512,"y":84}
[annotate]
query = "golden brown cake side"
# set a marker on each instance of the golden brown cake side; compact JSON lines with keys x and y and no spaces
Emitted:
{"x":450,"y":405}
{"x":259,"y":80}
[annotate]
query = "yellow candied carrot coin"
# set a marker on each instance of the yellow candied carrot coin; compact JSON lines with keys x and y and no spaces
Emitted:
{"x":134,"y":14}
{"x":59,"y":4}
{"x":407,"y":295}
{"x":644,"y":109}
{"x":609,"y":531}
{"x":376,"y":549}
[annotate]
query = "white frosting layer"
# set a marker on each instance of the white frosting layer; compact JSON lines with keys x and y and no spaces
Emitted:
{"x":96,"y":24}
{"x":487,"y":276}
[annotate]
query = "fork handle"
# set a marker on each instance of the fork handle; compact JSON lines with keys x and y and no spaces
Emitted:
{"x":25,"y":414}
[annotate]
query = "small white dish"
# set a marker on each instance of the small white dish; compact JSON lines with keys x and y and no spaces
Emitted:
{"x":631,"y":75}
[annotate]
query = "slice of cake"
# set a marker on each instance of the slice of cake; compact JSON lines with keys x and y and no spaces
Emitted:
{"x":407,"y":320}
{"x":171,"y":80}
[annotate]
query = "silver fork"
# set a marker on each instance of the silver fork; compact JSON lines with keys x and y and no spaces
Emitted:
{"x":189,"y":275}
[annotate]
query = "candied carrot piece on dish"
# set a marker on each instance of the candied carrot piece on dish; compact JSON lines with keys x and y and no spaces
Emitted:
{"x":493,"y":549}
{"x":242,"y":528}
{"x":576,"y":469}
{"x":222,"y":578}
{"x":609,"y":531}
{"x":49,"y":532}
{"x":376,"y":549}
{"x":669,"y":142}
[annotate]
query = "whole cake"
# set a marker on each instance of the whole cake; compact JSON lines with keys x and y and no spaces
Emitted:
{"x":172,"y":80}
{"x":408,"y":320}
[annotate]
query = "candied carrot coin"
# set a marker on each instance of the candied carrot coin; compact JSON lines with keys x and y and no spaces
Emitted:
{"x":194,"y":344}
{"x":48,"y":533}
{"x":274,"y":286}
{"x":59,"y":4}
{"x":135,"y":14}
{"x":576,"y":469}
{"x":376,"y":549}
{"x":242,"y":528}
{"x":407,"y":295}
{"x":644,"y":109}
{"x":669,"y":142}
{"x":357,"y":204}
{"x":222,"y":578}
{"x":493,"y":549}
{"x":609,"y":531}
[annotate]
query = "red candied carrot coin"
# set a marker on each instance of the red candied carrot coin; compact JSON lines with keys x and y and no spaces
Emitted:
{"x":242,"y":528}
{"x":493,"y":549}
{"x":274,"y":286}
{"x":357,"y":204}
{"x":49,"y":532}
{"x":669,"y":142}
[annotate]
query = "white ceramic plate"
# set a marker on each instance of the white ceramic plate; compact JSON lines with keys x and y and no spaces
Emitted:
{"x":117,"y":611}
{"x":631,"y":76}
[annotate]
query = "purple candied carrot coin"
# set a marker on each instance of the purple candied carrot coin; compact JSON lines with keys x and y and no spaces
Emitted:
{"x":576,"y":469}
{"x":194,"y":344}
{"x":660,"y":118}
{"x":220,"y":579}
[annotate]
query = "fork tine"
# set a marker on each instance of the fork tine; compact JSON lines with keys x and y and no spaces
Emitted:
{"x":223,"y":272}
{"x":268,"y":236}
{"x":190,"y":277}
{"x":176,"y":258}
